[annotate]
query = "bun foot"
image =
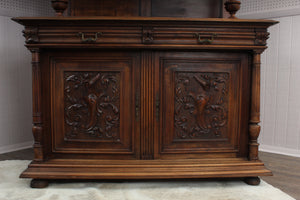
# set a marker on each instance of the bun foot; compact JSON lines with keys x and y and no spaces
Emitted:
{"x":39,"y":183}
{"x":252,"y":180}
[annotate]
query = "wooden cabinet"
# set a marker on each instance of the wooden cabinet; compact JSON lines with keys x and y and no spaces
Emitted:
{"x":145,"y":98}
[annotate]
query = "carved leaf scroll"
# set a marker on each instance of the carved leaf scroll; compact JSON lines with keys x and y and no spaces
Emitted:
{"x":92,"y":105}
{"x":201,"y":105}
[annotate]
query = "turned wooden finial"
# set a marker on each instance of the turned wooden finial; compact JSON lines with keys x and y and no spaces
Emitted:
{"x":59,"y":6}
{"x":232,"y":6}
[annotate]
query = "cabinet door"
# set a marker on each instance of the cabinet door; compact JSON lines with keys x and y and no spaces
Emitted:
{"x":204,"y":104}
{"x":93,"y":98}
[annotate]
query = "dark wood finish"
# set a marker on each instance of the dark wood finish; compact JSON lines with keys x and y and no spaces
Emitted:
{"x":187,"y":8}
{"x":145,"y":97}
{"x":39,"y":183}
{"x":199,"y":93}
{"x":254,"y":128}
{"x":285,"y":169}
{"x":59,"y":6}
{"x":232,"y":6}
{"x":150,"y":8}
{"x":93,"y":100}
{"x":252,"y":180}
{"x":105,"y":8}
{"x":37,"y":128}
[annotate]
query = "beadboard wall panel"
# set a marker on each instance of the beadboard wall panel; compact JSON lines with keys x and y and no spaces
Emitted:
{"x":280,"y":75}
{"x":280,"y":91}
{"x":15,"y":74}
{"x":15,"y":87}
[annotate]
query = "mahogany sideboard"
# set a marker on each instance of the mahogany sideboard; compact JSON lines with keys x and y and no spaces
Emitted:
{"x":132,"y":97}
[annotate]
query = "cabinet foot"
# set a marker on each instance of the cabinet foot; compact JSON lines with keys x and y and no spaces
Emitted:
{"x":252,"y":180}
{"x":39,"y":183}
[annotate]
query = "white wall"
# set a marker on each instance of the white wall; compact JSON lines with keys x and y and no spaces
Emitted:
{"x":280,"y":111}
{"x":280,"y":75}
{"x":15,"y":74}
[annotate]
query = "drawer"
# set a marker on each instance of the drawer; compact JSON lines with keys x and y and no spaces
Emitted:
{"x":202,"y":36}
{"x":90,"y":35}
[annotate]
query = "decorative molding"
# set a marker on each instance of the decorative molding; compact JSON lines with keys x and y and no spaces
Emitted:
{"x":148,"y":35}
{"x":280,"y":150}
{"x":92,"y":104}
{"x":201,"y":101}
{"x":31,"y":35}
{"x":261,"y":38}
{"x":16,"y":147}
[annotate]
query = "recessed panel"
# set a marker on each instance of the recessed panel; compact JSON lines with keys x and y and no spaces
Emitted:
{"x":93,"y":100}
{"x":201,"y":105}
{"x":92,"y":105}
{"x":187,"y":8}
{"x":201,"y":111}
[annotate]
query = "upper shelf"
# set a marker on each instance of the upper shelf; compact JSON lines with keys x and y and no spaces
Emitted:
{"x":147,"y":8}
{"x":168,"y":20}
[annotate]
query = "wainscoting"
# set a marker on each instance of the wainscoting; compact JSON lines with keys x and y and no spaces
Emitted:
{"x":280,"y":75}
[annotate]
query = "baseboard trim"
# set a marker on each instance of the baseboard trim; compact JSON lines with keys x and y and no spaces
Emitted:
{"x":280,"y":150}
{"x":15,"y":147}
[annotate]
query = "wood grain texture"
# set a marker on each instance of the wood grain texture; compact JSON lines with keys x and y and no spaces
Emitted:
{"x":104,"y":8}
{"x":147,"y":106}
{"x":154,"y":8}
{"x":285,"y":169}
{"x":152,"y":66}
{"x":37,"y":127}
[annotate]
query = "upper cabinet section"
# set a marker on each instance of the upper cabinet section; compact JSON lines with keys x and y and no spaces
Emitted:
{"x":119,"y":8}
{"x":187,"y":8}
{"x":149,"y":8}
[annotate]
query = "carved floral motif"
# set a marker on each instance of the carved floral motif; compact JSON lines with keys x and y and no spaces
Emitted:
{"x":261,"y":38}
{"x":201,"y":105}
{"x":92,"y":103}
{"x":31,"y":35}
{"x":148,"y":35}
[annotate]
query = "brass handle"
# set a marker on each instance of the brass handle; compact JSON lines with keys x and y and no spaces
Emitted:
{"x":89,"y":39}
{"x":205,"y":41}
{"x":157,"y":106}
{"x":137,"y":106}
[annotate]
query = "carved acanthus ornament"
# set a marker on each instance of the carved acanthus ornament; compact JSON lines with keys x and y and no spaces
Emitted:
{"x":92,"y":105}
{"x":31,"y":35}
{"x":201,"y":105}
{"x":147,"y":35}
{"x":261,"y":38}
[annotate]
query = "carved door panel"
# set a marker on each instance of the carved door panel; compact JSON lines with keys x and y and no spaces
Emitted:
{"x":93,"y":99}
{"x":200,"y":97}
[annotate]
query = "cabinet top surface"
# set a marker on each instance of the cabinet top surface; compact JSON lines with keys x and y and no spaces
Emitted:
{"x":65,"y":20}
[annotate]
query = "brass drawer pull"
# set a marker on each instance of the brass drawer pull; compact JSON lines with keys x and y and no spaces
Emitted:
{"x":89,"y":39}
{"x":205,"y":41}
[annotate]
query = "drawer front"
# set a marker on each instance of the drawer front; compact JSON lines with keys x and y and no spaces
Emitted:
{"x":90,"y":35}
{"x":147,"y":36}
{"x":203,"y":36}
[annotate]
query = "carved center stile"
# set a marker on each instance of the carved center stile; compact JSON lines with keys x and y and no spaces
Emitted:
{"x":201,"y":105}
{"x":92,"y":105}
